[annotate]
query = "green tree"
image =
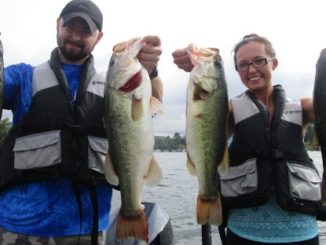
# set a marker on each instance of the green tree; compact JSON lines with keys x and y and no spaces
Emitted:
{"x":309,"y":133}
{"x":168,"y":143}
{"x":5,"y":125}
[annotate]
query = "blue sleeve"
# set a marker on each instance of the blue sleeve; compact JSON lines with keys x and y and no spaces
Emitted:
{"x":18,"y":89}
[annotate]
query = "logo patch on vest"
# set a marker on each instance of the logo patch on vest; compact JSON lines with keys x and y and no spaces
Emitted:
{"x":98,"y":82}
{"x":292,"y":111}
{"x":96,"y":87}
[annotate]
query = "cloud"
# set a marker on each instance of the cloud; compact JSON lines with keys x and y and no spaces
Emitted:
{"x":296,"y":30}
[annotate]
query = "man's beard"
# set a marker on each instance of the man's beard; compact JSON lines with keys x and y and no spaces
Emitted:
{"x":72,"y":56}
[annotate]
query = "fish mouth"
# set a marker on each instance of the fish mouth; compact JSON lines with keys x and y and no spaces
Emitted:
{"x":132,"y":83}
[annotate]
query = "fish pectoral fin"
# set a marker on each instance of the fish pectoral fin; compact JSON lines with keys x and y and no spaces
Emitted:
{"x":110,"y":173}
{"x":191,"y":166}
{"x":223,"y":166}
{"x":137,"y":109}
{"x":156,"y":106}
{"x":154,"y":174}
{"x":199,"y":115}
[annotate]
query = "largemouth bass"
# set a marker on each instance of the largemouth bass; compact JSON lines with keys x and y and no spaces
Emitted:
{"x":206,"y":129}
{"x":128,"y":120}
{"x":1,"y":78}
{"x":320,"y":110}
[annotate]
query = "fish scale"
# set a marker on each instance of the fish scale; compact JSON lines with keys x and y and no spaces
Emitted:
{"x":206,"y":124}
{"x":128,"y":122}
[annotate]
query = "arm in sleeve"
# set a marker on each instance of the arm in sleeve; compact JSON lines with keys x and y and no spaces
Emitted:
{"x":17,"y":89}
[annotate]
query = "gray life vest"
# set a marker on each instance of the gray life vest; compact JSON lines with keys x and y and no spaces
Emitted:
{"x":56,"y":138}
{"x":268,"y":158}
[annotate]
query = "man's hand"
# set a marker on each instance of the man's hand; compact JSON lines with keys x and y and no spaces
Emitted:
{"x":150,"y":53}
{"x":182,"y":59}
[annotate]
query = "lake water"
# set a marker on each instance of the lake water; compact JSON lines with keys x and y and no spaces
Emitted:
{"x":177,"y":195}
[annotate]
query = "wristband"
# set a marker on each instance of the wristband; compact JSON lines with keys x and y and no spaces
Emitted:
{"x":154,"y":73}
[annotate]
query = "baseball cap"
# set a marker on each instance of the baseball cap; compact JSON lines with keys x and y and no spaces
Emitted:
{"x":85,"y":9}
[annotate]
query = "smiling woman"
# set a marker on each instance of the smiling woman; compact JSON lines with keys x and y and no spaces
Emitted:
{"x":266,"y":152}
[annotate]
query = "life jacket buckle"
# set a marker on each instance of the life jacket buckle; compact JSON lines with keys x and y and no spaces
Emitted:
{"x":269,"y":154}
{"x":78,"y":130}
{"x":277,"y":154}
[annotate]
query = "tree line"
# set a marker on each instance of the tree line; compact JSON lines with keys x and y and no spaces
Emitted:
{"x":162,"y":143}
{"x":176,"y":142}
{"x":168,"y":143}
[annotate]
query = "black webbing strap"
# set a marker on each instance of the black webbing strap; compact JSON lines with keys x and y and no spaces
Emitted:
{"x":85,"y":177}
{"x":91,"y":187}
{"x":221,"y":231}
{"x":75,"y":188}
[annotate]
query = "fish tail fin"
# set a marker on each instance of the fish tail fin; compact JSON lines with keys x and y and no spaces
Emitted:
{"x":136,"y":227}
{"x":209,"y":210}
{"x":154,"y":174}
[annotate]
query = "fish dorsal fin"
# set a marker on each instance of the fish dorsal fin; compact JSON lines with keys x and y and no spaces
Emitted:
{"x":223,"y":166}
{"x":110,"y":174}
{"x":154,"y":174}
{"x":191,"y":166}
{"x":137,"y":109}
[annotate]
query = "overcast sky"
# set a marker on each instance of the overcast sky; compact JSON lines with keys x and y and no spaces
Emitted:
{"x":297,"y":29}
